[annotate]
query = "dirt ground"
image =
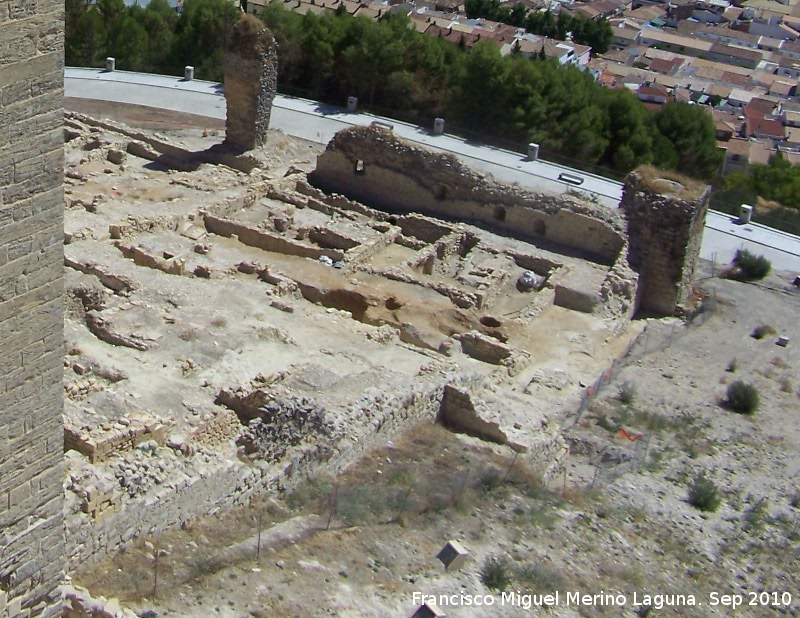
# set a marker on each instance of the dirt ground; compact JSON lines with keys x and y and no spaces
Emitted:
{"x":618,"y":521}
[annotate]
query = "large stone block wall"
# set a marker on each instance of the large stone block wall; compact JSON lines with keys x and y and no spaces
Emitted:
{"x":31,"y":320}
{"x":666,"y":216}
{"x":372,"y":165}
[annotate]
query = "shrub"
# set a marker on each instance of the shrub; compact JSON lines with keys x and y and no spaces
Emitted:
{"x":495,"y":573}
{"x":743,"y":398}
{"x":759,"y":332}
{"x":627,"y":392}
{"x":751,"y":267}
{"x":488,"y":479}
{"x":703,"y":494}
{"x":755,"y":517}
{"x":732,"y":366}
{"x":541,"y":579}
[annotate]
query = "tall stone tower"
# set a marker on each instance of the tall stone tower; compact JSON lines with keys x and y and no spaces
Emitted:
{"x":251,"y":80}
{"x":31,"y":320}
{"x":666,"y":215}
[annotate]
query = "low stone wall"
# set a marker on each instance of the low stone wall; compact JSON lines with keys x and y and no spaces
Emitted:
{"x":538,"y":441}
{"x":118,"y":283}
{"x":376,"y":418}
{"x":124,"y":434}
{"x":484,"y":348}
{"x":372,"y":165}
{"x":266,"y":241}
{"x":142,"y":257}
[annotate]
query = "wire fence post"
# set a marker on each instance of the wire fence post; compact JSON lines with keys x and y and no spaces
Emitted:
{"x":513,"y":461}
{"x":155,"y":570}
{"x":463,"y":485}
{"x":333,"y":506}
{"x":594,"y":476}
{"x":258,"y":542}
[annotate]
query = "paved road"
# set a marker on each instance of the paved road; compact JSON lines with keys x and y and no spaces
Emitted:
{"x":319,"y":122}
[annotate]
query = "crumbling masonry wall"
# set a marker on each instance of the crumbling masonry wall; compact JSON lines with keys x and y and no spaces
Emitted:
{"x":372,"y":165}
{"x":250,"y":66}
{"x":31,"y":318}
{"x":666,"y":216}
{"x":223,"y":484}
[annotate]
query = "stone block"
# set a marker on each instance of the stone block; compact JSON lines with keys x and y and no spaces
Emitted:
{"x":453,"y":556}
{"x":428,"y":610}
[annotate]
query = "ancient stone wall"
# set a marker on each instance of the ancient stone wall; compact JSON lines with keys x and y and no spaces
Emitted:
{"x":666,"y":216}
{"x":267,"y":241}
{"x":218,"y":484}
{"x":371,"y":165}
{"x":251,"y":81}
{"x":31,"y":319}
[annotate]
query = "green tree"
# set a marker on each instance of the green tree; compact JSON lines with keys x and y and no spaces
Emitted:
{"x":201,"y":32}
{"x":88,"y":47}
{"x":159,"y":28}
{"x":130,"y":44}
{"x":480,"y":97}
{"x":630,"y":129}
{"x":112,"y":12}
{"x":690,"y":131}
{"x":73,"y":11}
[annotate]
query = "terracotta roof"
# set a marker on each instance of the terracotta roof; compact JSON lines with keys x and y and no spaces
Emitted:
{"x":782,"y":88}
{"x":759,"y":105}
{"x":662,"y":66}
{"x":737,"y":52}
{"x":454,"y":36}
{"x":762,"y":126}
{"x":607,"y":79}
{"x":653,"y":91}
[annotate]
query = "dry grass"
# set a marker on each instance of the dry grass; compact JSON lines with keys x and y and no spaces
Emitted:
{"x":766,"y":206}
{"x":662,"y":181}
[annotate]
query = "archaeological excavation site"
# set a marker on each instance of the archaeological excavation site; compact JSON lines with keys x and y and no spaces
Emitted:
{"x":270,"y":377}
{"x":239,"y":322}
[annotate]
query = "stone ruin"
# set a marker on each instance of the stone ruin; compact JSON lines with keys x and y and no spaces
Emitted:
{"x":340,"y":306}
{"x":666,"y":214}
{"x":250,"y":66}
{"x":659,"y":237}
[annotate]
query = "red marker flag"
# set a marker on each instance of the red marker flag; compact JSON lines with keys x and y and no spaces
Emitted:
{"x":625,"y":434}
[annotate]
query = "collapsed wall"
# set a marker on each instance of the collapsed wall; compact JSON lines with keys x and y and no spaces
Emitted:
{"x":666,"y":216}
{"x":372,"y":165}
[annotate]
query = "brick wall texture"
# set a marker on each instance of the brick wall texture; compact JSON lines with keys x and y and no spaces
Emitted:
{"x":665,"y":230}
{"x":31,"y":322}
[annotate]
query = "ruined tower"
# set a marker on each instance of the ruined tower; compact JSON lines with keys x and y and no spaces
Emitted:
{"x":666,"y":214}
{"x":251,"y":79}
{"x":31,"y":319}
